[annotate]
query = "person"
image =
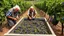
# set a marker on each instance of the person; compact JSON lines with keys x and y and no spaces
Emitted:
{"x":31,"y":13}
{"x":12,"y":15}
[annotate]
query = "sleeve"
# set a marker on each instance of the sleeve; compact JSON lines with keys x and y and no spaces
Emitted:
{"x":8,"y":13}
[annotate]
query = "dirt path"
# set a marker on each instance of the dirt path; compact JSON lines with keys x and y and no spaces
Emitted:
{"x":4,"y":31}
{"x":57,"y":29}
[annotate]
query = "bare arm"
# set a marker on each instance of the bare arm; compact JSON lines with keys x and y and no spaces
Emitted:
{"x":17,"y":17}
{"x":12,"y":18}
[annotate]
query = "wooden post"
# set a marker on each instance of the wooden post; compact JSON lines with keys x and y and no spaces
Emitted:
{"x":0,"y":27}
{"x":62,"y":29}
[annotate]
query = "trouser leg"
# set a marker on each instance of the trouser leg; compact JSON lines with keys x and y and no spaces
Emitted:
{"x":11,"y":23}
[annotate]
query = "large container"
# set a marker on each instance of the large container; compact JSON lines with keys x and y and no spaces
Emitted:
{"x":45,"y":31}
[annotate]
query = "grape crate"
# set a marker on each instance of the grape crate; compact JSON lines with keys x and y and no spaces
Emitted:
{"x":37,"y":26}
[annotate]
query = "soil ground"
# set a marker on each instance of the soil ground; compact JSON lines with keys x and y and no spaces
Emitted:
{"x":57,"y":29}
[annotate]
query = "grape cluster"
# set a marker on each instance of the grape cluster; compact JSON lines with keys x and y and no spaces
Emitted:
{"x":37,"y":26}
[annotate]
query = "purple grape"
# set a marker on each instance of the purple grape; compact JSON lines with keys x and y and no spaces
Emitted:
{"x":62,"y":3}
{"x":36,"y":26}
{"x":63,"y":18}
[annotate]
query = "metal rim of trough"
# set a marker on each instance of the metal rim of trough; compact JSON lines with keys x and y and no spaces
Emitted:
{"x":53,"y":34}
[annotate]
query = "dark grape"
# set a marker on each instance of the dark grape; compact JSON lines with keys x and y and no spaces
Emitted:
{"x":62,"y":3}
{"x":32,"y":27}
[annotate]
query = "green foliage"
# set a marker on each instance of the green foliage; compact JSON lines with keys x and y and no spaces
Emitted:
{"x":52,"y":7}
{"x":5,"y":5}
{"x":42,"y":6}
{"x":29,"y":0}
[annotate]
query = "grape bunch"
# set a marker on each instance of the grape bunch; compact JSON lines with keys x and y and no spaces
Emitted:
{"x":37,"y":26}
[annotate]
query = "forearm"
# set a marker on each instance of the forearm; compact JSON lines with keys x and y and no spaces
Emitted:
{"x":17,"y":17}
{"x":10,"y":17}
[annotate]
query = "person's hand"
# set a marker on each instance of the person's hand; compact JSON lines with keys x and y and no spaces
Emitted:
{"x":30,"y":18}
{"x":15,"y":19}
